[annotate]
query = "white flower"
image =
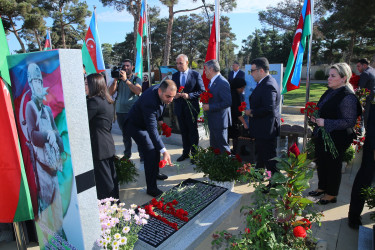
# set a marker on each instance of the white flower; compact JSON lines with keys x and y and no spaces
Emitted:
{"x":127,"y":217}
{"x":100,"y":242}
{"x":136,"y":217}
{"x":144,"y":221}
{"x":126,"y":230}
{"x":117,"y":236}
{"x":133,"y":206}
{"x":123,"y":240}
{"x":108,"y":231}
{"x":108,"y":238}
{"x":115,"y":244}
{"x":131,"y":211}
{"x":121,"y":204}
{"x":147,"y":216}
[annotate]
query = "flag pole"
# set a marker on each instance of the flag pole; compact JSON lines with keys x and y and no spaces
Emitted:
{"x":217,"y":27}
{"x":148,"y":45}
{"x":308,"y":69}
{"x":50,"y":38}
{"x":20,"y":236}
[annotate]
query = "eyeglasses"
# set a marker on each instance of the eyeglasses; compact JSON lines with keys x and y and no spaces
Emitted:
{"x":253,"y":70}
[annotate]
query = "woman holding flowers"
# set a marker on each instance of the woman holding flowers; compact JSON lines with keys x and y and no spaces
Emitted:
{"x":338,"y":109}
{"x":100,"y":112}
{"x":238,"y":106}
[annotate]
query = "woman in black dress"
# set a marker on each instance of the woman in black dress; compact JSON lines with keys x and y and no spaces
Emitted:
{"x":237,"y":89}
{"x":338,"y":111}
{"x":100,"y":112}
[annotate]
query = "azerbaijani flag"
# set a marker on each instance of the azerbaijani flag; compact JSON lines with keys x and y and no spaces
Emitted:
{"x":48,"y":43}
{"x":142,"y":32}
{"x":14,"y":191}
{"x":211,"y":52}
{"x":92,"y":56}
{"x":292,"y":75}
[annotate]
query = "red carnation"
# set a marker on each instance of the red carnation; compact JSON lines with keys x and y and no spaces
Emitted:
{"x":294,"y":149}
{"x":216,"y":151}
{"x":247,"y":230}
{"x":299,"y":231}
{"x":238,"y":157}
{"x":302,"y":110}
{"x":181,"y":89}
{"x":306,"y":223}
{"x":282,"y":119}
{"x":162,"y":163}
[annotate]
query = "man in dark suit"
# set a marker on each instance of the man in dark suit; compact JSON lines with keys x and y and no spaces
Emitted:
{"x":236,"y":72}
{"x":264,"y":114}
{"x":142,"y":125}
{"x":218,"y":107}
{"x":365,"y":174}
{"x":366,"y":80}
{"x":187,"y":115}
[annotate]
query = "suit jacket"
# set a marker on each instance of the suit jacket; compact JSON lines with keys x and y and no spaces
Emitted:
{"x":240,"y":74}
{"x":370,"y":131}
{"x":193,"y":86}
{"x":145,"y":114}
{"x":100,"y":121}
{"x":264,"y":105}
{"x":219,"y":113}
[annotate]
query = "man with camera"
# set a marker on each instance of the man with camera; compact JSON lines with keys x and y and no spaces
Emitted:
{"x":128,"y":87}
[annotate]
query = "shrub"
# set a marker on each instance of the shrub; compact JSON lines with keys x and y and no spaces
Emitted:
{"x":282,"y":219}
{"x":349,"y":154}
{"x":125,"y":170}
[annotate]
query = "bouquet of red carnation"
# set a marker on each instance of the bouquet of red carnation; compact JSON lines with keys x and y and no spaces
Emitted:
{"x":354,"y":80}
{"x":204,"y":98}
{"x":166,"y":130}
{"x":311,"y":109}
{"x":191,"y":108}
{"x":242,"y":107}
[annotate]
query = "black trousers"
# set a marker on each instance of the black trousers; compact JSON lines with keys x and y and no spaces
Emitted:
{"x":106,"y":179}
{"x":189,"y":129}
{"x":151,"y":155}
{"x":363,"y":179}
{"x":329,"y":168}
{"x":265,"y":150}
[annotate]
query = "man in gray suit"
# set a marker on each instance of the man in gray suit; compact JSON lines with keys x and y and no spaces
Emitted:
{"x":218,"y":107}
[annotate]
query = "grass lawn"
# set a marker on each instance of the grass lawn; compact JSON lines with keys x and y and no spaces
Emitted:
{"x":298,"y":97}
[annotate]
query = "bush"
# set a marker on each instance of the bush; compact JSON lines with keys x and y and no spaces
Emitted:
{"x":125,"y":170}
{"x":320,"y":75}
{"x":217,"y":166}
{"x":283,"y":218}
{"x":349,"y":154}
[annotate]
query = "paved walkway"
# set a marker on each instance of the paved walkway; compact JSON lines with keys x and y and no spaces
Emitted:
{"x":334,"y":230}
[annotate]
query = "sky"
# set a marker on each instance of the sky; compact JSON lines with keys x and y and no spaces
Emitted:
{"x":113,"y":25}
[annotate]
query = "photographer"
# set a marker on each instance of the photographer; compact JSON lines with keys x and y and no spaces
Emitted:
{"x":128,"y":87}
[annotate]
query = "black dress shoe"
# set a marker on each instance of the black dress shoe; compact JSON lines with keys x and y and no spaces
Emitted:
{"x":315,"y":193}
{"x":354,"y":222}
{"x":154,"y":193}
{"x":161,"y":177}
{"x":182,"y":157}
{"x":325,"y":202}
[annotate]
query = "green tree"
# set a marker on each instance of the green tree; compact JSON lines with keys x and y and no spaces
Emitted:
{"x":69,"y":21}
{"x":107,"y":54}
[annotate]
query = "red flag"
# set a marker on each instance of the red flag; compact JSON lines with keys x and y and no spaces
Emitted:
{"x":14,"y":192}
{"x":211,"y":52}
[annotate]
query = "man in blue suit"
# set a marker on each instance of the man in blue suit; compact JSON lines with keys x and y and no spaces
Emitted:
{"x":236,"y":72}
{"x":187,"y":115}
{"x":264,"y":114}
{"x":142,"y":125}
{"x":218,"y":107}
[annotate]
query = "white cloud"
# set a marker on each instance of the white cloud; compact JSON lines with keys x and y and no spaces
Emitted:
{"x":113,"y":15}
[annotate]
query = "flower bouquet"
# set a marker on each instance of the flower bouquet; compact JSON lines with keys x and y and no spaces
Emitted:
{"x":354,"y":80}
{"x":283,"y":218}
{"x":311,"y":109}
{"x":217,"y":166}
{"x":204,"y":98}
{"x":125,"y":170}
{"x":120,"y":226}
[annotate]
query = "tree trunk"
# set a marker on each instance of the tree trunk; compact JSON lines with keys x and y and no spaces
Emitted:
{"x":351,"y":46}
{"x":37,"y":39}
{"x":17,"y":35}
{"x":167,"y":47}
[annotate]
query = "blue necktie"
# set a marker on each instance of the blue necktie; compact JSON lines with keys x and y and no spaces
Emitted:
{"x":183,"y":80}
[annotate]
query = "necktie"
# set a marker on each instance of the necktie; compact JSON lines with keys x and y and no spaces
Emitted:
{"x":183,"y":80}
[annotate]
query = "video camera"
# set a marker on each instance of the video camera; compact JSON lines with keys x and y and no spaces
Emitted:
{"x":115,"y":72}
